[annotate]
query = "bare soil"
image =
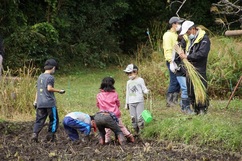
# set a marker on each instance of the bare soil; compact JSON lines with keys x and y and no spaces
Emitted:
{"x":15,"y":144}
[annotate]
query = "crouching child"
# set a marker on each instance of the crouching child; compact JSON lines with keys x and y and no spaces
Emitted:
{"x":106,"y":119}
{"x":78,"y":121}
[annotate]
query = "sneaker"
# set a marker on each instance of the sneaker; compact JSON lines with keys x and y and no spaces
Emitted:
{"x":136,"y":130}
{"x":50,"y":137}
{"x":108,"y":140}
{"x":130,"y":138}
{"x":34,"y":137}
{"x":121,"y":139}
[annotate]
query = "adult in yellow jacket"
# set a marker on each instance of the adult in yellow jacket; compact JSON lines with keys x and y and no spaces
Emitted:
{"x":169,"y":40}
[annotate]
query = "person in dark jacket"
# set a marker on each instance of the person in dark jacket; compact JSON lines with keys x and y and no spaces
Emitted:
{"x":197,"y":49}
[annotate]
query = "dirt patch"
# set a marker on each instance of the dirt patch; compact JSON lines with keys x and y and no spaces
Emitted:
{"x":15,"y":144}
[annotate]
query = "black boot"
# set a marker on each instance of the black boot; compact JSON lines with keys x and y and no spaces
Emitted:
{"x":34,"y":137}
{"x":175,"y":98}
{"x":50,"y":137}
{"x":169,"y":100}
{"x":185,"y":106}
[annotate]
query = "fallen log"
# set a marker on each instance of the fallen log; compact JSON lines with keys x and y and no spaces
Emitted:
{"x":233,"y":32}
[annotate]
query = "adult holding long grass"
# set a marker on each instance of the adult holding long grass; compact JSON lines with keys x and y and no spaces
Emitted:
{"x":197,"y":49}
{"x":45,"y":102}
{"x":169,"y":40}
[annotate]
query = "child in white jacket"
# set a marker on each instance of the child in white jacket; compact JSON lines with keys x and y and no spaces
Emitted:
{"x":135,"y":91}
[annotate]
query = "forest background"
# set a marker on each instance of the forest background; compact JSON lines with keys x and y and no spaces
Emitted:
{"x":91,"y":39}
{"x":99,"y":34}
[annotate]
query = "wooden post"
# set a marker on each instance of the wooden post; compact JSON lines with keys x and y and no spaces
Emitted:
{"x":233,"y":32}
{"x":231,"y":96}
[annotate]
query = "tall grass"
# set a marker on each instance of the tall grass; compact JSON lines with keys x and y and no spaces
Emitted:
{"x":17,"y":92}
{"x":224,"y":66}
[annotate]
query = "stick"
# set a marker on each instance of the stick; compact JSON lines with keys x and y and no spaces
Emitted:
{"x":234,"y":91}
{"x":148,"y":33}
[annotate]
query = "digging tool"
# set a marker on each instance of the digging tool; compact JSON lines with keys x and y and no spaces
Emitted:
{"x":231,"y":96}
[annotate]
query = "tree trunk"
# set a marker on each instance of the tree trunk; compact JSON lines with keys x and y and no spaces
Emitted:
{"x":233,"y":32}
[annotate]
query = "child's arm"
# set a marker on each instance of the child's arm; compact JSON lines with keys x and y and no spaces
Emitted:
{"x":144,"y":88}
{"x":51,"y":89}
{"x":117,"y":101}
{"x":127,"y":97}
{"x":35,"y":101}
{"x":97,"y":100}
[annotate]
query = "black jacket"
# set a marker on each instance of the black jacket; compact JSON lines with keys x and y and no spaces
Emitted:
{"x":198,"y":53}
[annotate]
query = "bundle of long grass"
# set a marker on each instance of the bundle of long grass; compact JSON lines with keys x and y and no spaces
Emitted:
{"x":196,"y":79}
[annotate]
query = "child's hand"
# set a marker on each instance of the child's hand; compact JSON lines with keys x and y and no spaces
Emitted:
{"x":127,"y":107}
{"x":35,"y":105}
{"x":62,"y":91}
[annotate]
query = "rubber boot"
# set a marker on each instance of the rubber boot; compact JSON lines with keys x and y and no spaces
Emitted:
{"x":202,"y":109}
{"x":196,"y":108}
{"x":185,"y":106}
{"x":175,"y":98}
{"x":169,"y":100}
{"x":130,"y":138}
{"x":121,"y":139}
{"x":34,"y":137}
{"x":50,"y":137}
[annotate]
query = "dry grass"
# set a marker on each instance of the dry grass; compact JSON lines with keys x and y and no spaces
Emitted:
{"x":196,"y":79}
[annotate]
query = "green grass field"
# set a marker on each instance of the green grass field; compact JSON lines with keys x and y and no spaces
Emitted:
{"x":220,"y":127}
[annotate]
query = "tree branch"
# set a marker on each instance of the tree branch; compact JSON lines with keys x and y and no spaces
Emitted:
{"x":227,"y":8}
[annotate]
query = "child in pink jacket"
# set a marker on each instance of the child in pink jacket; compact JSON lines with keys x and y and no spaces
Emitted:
{"x":107,"y":100}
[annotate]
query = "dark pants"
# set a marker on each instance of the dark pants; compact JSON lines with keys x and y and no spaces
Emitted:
{"x":104,"y":120}
{"x":41,"y":115}
{"x":174,"y":86}
{"x":190,"y":89}
{"x":72,"y":126}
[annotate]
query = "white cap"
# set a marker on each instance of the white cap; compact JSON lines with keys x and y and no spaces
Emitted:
{"x":185,"y":26}
{"x":131,"y":68}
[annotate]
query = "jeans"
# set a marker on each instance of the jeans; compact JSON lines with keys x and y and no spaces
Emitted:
{"x":183,"y":85}
{"x":104,"y":120}
{"x":174,"y":86}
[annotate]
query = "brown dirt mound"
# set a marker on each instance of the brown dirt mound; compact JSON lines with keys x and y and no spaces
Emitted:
{"x":16,"y":145}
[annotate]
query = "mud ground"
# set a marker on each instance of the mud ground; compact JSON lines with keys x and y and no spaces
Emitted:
{"x":15,"y":144}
